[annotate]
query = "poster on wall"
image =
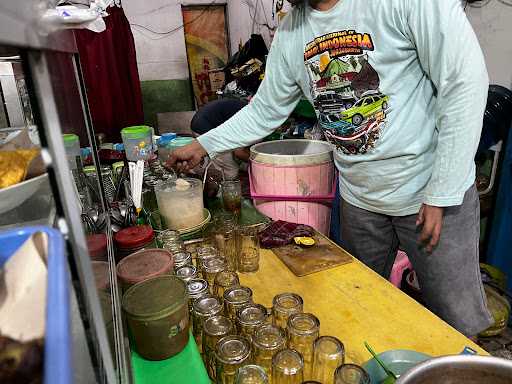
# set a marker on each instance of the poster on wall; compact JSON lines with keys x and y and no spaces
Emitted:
{"x":206,"y":40}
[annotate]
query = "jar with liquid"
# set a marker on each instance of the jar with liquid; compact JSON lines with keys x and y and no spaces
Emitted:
{"x":223,"y":281}
{"x":214,"y":329}
{"x":210,"y":269}
{"x":284,"y":305}
{"x":234,"y":299}
{"x":267,"y":340}
{"x":249,"y":318}
{"x":303,"y":329}
{"x":204,"y":307}
{"x":231,"y":353}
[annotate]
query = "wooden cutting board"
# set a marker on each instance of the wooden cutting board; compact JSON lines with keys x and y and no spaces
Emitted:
{"x":322,"y":256}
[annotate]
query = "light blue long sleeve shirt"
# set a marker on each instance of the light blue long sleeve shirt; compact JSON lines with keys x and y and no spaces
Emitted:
{"x":399,"y":87}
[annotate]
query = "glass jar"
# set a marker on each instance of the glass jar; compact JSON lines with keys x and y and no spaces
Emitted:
{"x":148,"y":194}
{"x":248,"y":250}
{"x":204,"y":307}
{"x":168,"y":235}
{"x":284,"y":305}
{"x":226,"y":242}
{"x":195,"y":288}
{"x":328,"y":354}
{"x":181,"y":259}
{"x":287,"y":367}
{"x":223,"y":281}
{"x":234,"y":299}
{"x":303,"y":329}
{"x":250,"y":317}
{"x":174,"y":246}
{"x":251,"y":374}
{"x":267,"y":340}
{"x":157,"y":316}
{"x":211,"y":267}
{"x":204,"y":253}
{"x":351,"y":374}
{"x":186,"y":273}
{"x":133,"y":239}
{"x":231,"y":353}
{"x":214,"y":329}
{"x":232,"y":196}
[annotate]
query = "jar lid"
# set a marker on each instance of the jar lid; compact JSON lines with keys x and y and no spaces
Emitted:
{"x":238,"y":295}
{"x":186,"y":272}
{"x":252,"y":314}
{"x":136,"y":131}
{"x":197,"y":287}
{"x":181,"y":141}
{"x":144,"y":264}
{"x":287,"y":302}
{"x":207,"y":305}
{"x":269,"y":336}
{"x":215,"y":265}
{"x":303,"y":324}
{"x":97,"y":245}
{"x":155,"y":298}
{"x":182,"y":258}
{"x":217,"y":326}
{"x":233,"y":349}
{"x":133,"y":237}
{"x":70,"y":138}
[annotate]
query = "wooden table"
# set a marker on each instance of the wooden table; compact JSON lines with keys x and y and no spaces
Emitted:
{"x":355,"y":304}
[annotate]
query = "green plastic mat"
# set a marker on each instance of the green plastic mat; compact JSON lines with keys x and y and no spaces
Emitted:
{"x":249,"y":214}
{"x":185,"y":368}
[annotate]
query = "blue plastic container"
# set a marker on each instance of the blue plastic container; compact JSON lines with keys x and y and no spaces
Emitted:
{"x":57,"y":344}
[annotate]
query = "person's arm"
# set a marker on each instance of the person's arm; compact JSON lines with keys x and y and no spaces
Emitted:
{"x":276,"y":98}
{"x":451,"y":56}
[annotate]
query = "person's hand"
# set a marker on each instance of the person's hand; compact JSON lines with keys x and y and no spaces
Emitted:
{"x":431,"y":219}
{"x":186,"y":158}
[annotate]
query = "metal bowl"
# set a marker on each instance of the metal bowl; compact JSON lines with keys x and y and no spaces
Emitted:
{"x":460,"y":370}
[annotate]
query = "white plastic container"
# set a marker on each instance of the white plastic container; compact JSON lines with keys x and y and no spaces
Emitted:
{"x":138,"y":142}
{"x":72,"y":147}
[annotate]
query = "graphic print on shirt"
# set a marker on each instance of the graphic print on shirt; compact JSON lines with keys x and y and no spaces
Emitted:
{"x":345,"y":89}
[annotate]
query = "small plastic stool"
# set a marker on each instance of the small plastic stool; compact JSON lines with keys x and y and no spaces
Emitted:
{"x":401,"y":264}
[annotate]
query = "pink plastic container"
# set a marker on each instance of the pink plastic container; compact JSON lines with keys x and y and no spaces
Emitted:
{"x":294,"y":180}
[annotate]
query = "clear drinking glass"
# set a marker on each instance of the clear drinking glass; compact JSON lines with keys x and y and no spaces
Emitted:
{"x":204,"y":307}
{"x":181,"y":259}
{"x":251,"y":374}
{"x":214,"y":329}
{"x":211,"y":267}
{"x":267,"y":340}
{"x":223,"y":281}
{"x":225,"y":237}
{"x":351,"y":374}
{"x":235,"y":298}
{"x":186,"y":273}
{"x":303,"y":329}
{"x":328,"y":354}
{"x":250,"y":317}
{"x":248,"y":249}
{"x":284,"y":305}
{"x":231,"y":353}
{"x":232,"y":196}
{"x":287,"y":367}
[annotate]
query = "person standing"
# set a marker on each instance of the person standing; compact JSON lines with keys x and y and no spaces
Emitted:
{"x":400,"y":88}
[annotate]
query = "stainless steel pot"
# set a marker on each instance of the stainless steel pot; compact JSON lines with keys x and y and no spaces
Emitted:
{"x":460,"y":370}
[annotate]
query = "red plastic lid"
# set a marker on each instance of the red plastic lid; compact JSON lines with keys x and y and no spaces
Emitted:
{"x":134,"y":237}
{"x":97,"y":246}
{"x":145,"y":264}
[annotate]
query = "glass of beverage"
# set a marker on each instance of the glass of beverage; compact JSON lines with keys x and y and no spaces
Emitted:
{"x":287,"y":367}
{"x":284,"y":305}
{"x":231,"y":353}
{"x":351,"y":374}
{"x":223,"y":281}
{"x":267,"y":340}
{"x":251,"y":374}
{"x":232,"y":196}
{"x":214,"y":329}
{"x":248,"y":249}
{"x":303,"y":329}
{"x":328,"y":354}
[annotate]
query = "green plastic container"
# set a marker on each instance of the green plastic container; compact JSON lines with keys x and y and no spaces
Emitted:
{"x":72,"y":147}
{"x":158,"y":317}
{"x":138,"y":142}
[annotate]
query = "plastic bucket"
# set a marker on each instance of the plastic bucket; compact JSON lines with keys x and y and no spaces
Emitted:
{"x":138,"y":142}
{"x":157,"y":315}
{"x":294,"y":180}
{"x":143,"y":265}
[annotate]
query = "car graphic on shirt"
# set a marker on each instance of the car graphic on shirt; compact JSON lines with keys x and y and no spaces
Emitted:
{"x":364,"y":108}
{"x":333,"y":122}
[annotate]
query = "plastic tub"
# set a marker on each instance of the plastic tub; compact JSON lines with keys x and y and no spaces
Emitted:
{"x":72,"y":147}
{"x":163,"y":142}
{"x":157,"y":315}
{"x":97,"y":246}
{"x":133,"y":239}
{"x":138,"y":142}
{"x":58,"y":365}
{"x":144,"y":265}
